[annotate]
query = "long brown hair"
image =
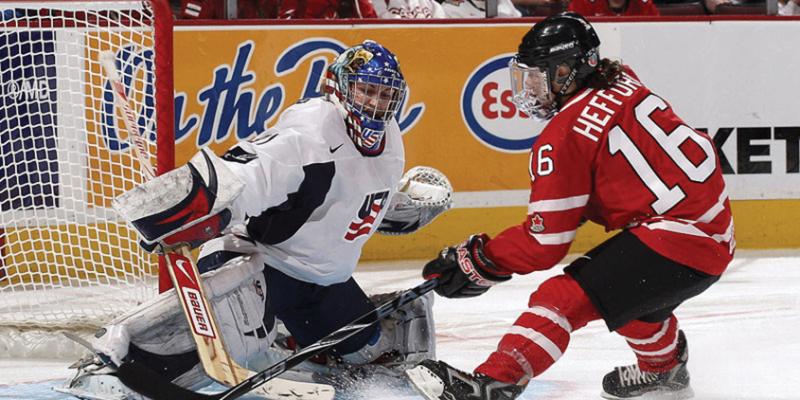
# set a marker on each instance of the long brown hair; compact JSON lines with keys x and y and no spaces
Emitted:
{"x":606,"y":73}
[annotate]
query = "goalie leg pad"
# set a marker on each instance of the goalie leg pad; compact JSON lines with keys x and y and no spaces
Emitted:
{"x":237,"y":294}
{"x":189,"y":204}
{"x":406,"y":337}
{"x":245,"y":319}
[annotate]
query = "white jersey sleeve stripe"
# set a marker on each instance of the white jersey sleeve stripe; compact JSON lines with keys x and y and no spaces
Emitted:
{"x":677,"y":227}
{"x":689,"y":229}
{"x":715,"y":209}
{"x":566,"y":203}
{"x":726,"y":237}
{"x":554,"y":238}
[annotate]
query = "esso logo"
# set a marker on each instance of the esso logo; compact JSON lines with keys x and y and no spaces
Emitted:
{"x":489,"y":112}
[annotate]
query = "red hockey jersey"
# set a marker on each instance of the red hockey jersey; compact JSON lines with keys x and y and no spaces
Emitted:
{"x":620,"y":157}
{"x":286,"y":9}
{"x":601,"y":8}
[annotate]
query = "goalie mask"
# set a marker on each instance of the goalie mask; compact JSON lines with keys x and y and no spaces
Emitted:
{"x":565,"y":39}
{"x":366,"y":83}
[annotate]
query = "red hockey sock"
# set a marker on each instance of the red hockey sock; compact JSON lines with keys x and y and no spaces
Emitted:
{"x":541,"y":334}
{"x":655,"y":344}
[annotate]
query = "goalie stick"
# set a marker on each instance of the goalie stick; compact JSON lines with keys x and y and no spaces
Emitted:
{"x":107,"y":60}
{"x":214,"y":357}
{"x":151,"y":384}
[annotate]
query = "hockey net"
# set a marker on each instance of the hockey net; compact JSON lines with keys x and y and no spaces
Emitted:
{"x":67,"y":262}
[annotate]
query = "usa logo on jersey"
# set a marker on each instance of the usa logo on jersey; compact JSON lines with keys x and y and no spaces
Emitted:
{"x":365,"y":220}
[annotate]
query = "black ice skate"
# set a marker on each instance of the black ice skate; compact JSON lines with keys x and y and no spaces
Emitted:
{"x":629,"y":382}
{"x":438,"y":381}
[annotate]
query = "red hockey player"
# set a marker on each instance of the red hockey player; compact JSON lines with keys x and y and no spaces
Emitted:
{"x":616,"y":154}
{"x":326,"y":9}
{"x":215,"y":9}
{"x":610,"y":8}
{"x":289,"y":9}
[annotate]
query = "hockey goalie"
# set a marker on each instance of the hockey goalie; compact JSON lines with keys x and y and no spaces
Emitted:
{"x":281,"y":221}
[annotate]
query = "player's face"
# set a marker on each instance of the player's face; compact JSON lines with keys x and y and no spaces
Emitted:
{"x":531,"y":89}
{"x":375,"y":101}
{"x":536,"y":81}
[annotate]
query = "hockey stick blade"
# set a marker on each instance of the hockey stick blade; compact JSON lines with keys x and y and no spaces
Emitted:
{"x":146,"y":381}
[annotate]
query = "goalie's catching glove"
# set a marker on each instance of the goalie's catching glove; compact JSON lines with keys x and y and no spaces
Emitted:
{"x":463,"y":270}
{"x":424,"y":193}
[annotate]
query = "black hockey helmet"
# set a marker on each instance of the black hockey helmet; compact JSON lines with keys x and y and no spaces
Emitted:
{"x":562,"y":39}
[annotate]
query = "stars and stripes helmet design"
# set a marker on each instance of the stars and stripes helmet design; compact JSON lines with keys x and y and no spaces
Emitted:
{"x":366,"y":83}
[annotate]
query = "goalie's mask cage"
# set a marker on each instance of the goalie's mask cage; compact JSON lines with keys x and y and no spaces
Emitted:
{"x":67,"y":260}
{"x":565,"y":39}
{"x":366,"y":83}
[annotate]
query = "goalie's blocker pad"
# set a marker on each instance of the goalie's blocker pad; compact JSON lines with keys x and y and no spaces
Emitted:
{"x":188,"y":205}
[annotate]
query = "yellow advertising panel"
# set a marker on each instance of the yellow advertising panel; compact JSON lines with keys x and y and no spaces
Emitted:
{"x":230,"y":82}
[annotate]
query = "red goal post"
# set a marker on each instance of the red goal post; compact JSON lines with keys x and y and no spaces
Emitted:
{"x":66,"y":259}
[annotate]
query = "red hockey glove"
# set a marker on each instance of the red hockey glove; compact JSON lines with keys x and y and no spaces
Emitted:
{"x":464,"y":271}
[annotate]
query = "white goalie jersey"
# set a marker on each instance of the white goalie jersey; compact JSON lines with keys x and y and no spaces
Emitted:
{"x":300,"y":195}
{"x":310,"y":199}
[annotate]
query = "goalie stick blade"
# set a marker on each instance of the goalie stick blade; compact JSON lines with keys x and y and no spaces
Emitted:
{"x":151,"y":384}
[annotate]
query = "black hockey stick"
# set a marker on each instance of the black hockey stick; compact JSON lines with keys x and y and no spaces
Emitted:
{"x":149,"y":383}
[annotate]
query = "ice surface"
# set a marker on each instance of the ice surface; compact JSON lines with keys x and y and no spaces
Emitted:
{"x":743,"y":333}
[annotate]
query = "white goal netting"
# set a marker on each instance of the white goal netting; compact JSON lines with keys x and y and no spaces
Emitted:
{"x":66,"y":260}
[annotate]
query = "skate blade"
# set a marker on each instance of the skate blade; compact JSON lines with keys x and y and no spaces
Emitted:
{"x":682,"y":394}
{"x":426,"y":382}
{"x":84,"y":395}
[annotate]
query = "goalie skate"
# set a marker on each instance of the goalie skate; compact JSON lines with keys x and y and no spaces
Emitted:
{"x":95,"y":379}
